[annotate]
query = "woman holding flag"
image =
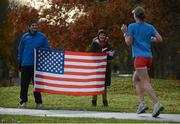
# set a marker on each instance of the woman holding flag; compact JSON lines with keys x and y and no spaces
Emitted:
{"x":100,"y":44}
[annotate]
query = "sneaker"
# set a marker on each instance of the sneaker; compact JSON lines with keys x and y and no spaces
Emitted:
{"x":38,"y":105}
{"x":23,"y":105}
{"x":157,"y":109}
{"x":105,"y":103}
{"x":94,"y":103}
{"x":142,"y":108}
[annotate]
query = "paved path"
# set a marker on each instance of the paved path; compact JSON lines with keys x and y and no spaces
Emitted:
{"x":89,"y":114}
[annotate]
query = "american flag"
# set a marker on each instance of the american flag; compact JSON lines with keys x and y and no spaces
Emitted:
{"x":69,"y":73}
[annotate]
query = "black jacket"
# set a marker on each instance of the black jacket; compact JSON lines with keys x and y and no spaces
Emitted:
{"x":96,"y":47}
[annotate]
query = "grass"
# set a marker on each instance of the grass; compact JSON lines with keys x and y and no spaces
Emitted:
{"x":34,"y":119}
{"x":121,"y":95}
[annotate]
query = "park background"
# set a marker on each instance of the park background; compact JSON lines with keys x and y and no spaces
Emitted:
{"x":72,"y":24}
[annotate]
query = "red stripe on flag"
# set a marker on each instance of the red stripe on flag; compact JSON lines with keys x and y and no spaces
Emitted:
{"x":84,"y":53}
{"x":68,"y":79}
{"x":69,"y":93}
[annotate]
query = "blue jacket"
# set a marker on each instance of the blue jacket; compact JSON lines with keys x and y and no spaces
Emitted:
{"x":26,"y":47}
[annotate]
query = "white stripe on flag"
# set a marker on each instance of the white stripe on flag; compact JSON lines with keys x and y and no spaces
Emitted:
{"x":84,"y":64}
{"x":70,"y":83}
{"x":70,"y":76}
{"x":70,"y":89}
{"x":84,"y":70}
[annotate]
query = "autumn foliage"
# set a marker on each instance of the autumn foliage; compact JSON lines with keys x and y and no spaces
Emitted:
{"x":78,"y":34}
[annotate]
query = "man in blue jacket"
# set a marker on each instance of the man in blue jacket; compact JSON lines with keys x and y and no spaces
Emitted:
{"x":29,"y":41}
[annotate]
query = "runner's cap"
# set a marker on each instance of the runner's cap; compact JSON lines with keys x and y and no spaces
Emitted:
{"x":138,"y":11}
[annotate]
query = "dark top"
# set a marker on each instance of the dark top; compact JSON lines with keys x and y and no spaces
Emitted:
{"x":96,"y":47}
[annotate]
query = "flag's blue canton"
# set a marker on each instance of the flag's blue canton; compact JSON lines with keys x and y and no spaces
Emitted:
{"x":50,"y":61}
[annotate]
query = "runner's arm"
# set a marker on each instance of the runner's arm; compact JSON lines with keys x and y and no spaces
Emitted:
{"x":128,"y":39}
{"x":157,"y":38}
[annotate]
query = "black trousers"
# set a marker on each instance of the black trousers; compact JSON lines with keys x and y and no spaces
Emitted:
{"x":27,"y":73}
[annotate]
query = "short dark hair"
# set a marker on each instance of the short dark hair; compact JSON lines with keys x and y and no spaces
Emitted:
{"x":32,"y":21}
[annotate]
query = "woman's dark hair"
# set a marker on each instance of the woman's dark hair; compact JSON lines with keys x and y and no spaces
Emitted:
{"x":139,"y":12}
{"x":141,"y":16}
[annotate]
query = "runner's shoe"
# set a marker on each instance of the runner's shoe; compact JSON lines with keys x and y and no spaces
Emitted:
{"x":157,"y":109}
{"x":142,"y":108}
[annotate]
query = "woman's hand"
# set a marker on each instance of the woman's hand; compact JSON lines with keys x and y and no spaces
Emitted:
{"x":110,"y":53}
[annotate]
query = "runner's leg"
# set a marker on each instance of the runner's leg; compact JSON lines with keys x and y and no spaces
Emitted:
{"x":144,"y":76}
{"x":139,"y":86}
